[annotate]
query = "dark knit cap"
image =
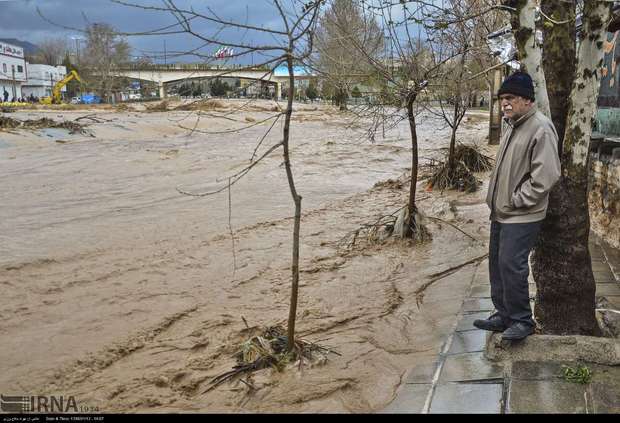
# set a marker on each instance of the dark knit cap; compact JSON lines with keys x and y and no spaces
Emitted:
{"x":519,"y":83}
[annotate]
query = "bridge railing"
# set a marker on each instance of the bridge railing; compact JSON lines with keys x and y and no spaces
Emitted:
{"x":189,"y":67}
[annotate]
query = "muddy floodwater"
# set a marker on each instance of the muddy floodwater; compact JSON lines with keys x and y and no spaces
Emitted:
{"x":131,"y":296}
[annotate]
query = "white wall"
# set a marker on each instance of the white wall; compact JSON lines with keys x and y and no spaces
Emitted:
{"x":36,"y":91}
{"x":42,"y":78}
{"x":12,"y":70}
{"x":44,"y":75}
{"x":8,"y":86}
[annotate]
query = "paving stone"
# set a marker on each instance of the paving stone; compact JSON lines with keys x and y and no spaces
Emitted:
{"x":606,"y":281}
{"x":536,"y":370}
{"x":536,"y":396}
{"x":612,"y":254}
{"x":467,"y":320}
{"x":596,"y":251}
{"x":481,"y":276}
{"x":598,"y":259}
{"x":606,"y":289}
{"x":477,"y":304}
{"x":614,"y":301}
{"x":422,"y":373}
{"x":480,"y":291}
{"x":600,"y":266}
{"x":614,"y":266}
{"x":469,"y":367}
{"x":605,"y":398}
{"x":470,"y":398}
{"x":553,"y":371}
{"x":608,"y":375}
{"x":410,"y":399}
{"x":604,"y":276}
{"x":470,"y":341}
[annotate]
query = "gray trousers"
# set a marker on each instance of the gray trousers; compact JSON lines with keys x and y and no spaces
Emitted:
{"x":509,"y":250}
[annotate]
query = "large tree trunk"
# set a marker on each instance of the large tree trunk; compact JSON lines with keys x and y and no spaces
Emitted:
{"x":562,"y":266}
{"x":530,"y":51}
{"x":341,"y":98}
{"x":559,"y":60}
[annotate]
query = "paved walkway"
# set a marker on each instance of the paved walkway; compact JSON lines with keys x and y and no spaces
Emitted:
{"x":463,"y":381}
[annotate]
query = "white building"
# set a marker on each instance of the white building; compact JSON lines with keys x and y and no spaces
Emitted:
{"x":41,"y":80}
{"x":13,"y":71}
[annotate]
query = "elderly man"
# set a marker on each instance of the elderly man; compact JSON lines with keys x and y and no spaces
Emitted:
{"x":526,"y":168}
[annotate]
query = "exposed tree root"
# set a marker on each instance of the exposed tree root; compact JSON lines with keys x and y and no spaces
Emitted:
{"x":467,"y":160}
{"x":392,"y":225}
{"x":269,"y":350}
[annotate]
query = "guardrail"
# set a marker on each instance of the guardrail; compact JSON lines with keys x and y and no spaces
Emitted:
{"x":189,"y":66}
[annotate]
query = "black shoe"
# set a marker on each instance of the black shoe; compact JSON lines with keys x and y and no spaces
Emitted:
{"x":493,"y":323}
{"x":518,"y":331}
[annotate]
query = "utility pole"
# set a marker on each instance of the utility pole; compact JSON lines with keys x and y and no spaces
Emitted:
{"x":165,"y":54}
{"x":77,"y":48}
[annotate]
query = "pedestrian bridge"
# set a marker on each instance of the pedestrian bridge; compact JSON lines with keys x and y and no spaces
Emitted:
{"x":163,"y":74}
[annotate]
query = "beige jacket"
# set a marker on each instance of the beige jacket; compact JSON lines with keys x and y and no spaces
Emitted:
{"x":526,"y":168}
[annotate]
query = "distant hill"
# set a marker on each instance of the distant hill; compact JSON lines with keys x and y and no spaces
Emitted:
{"x":29,"y":48}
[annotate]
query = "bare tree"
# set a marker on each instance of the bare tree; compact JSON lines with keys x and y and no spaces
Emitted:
{"x":105,"y":51}
{"x":456,"y":90}
{"x":407,"y":74}
{"x":290,"y":44}
{"x":340,"y":64}
{"x":51,"y":52}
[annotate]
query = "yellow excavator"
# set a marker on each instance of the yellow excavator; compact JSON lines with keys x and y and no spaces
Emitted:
{"x":56,"y":98}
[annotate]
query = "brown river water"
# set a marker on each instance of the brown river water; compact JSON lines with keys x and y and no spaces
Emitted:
{"x":125,"y":293}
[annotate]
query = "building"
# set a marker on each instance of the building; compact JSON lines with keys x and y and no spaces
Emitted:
{"x":302,"y":75}
{"x":41,"y":80}
{"x":13,"y":71}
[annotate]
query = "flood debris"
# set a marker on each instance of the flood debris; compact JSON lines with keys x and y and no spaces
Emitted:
{"x":420,"y":292}
{"x":201,"y":105}
{"x":257,"y":108}
{"x":388,"y":226}
{"x":94,"y":118}
{"x":123,"y":107}
{"x":394,"y":184}
{"x":194,"y":106}
{"x":468,"y":159}
{"x":7,"y":123}
{"x":268,"y":350}
{"x":162,"y":106}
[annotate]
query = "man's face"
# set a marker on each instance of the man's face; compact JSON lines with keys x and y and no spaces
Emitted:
{"x":514,"y":106}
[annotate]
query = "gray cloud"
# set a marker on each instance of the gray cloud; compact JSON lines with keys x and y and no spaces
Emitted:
{"x":19,"y":19}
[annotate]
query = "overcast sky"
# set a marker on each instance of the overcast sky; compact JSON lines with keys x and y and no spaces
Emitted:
{"x":20,"y":19}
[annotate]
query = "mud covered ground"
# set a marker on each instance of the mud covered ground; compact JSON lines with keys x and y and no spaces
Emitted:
{"x":121,"y":291}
